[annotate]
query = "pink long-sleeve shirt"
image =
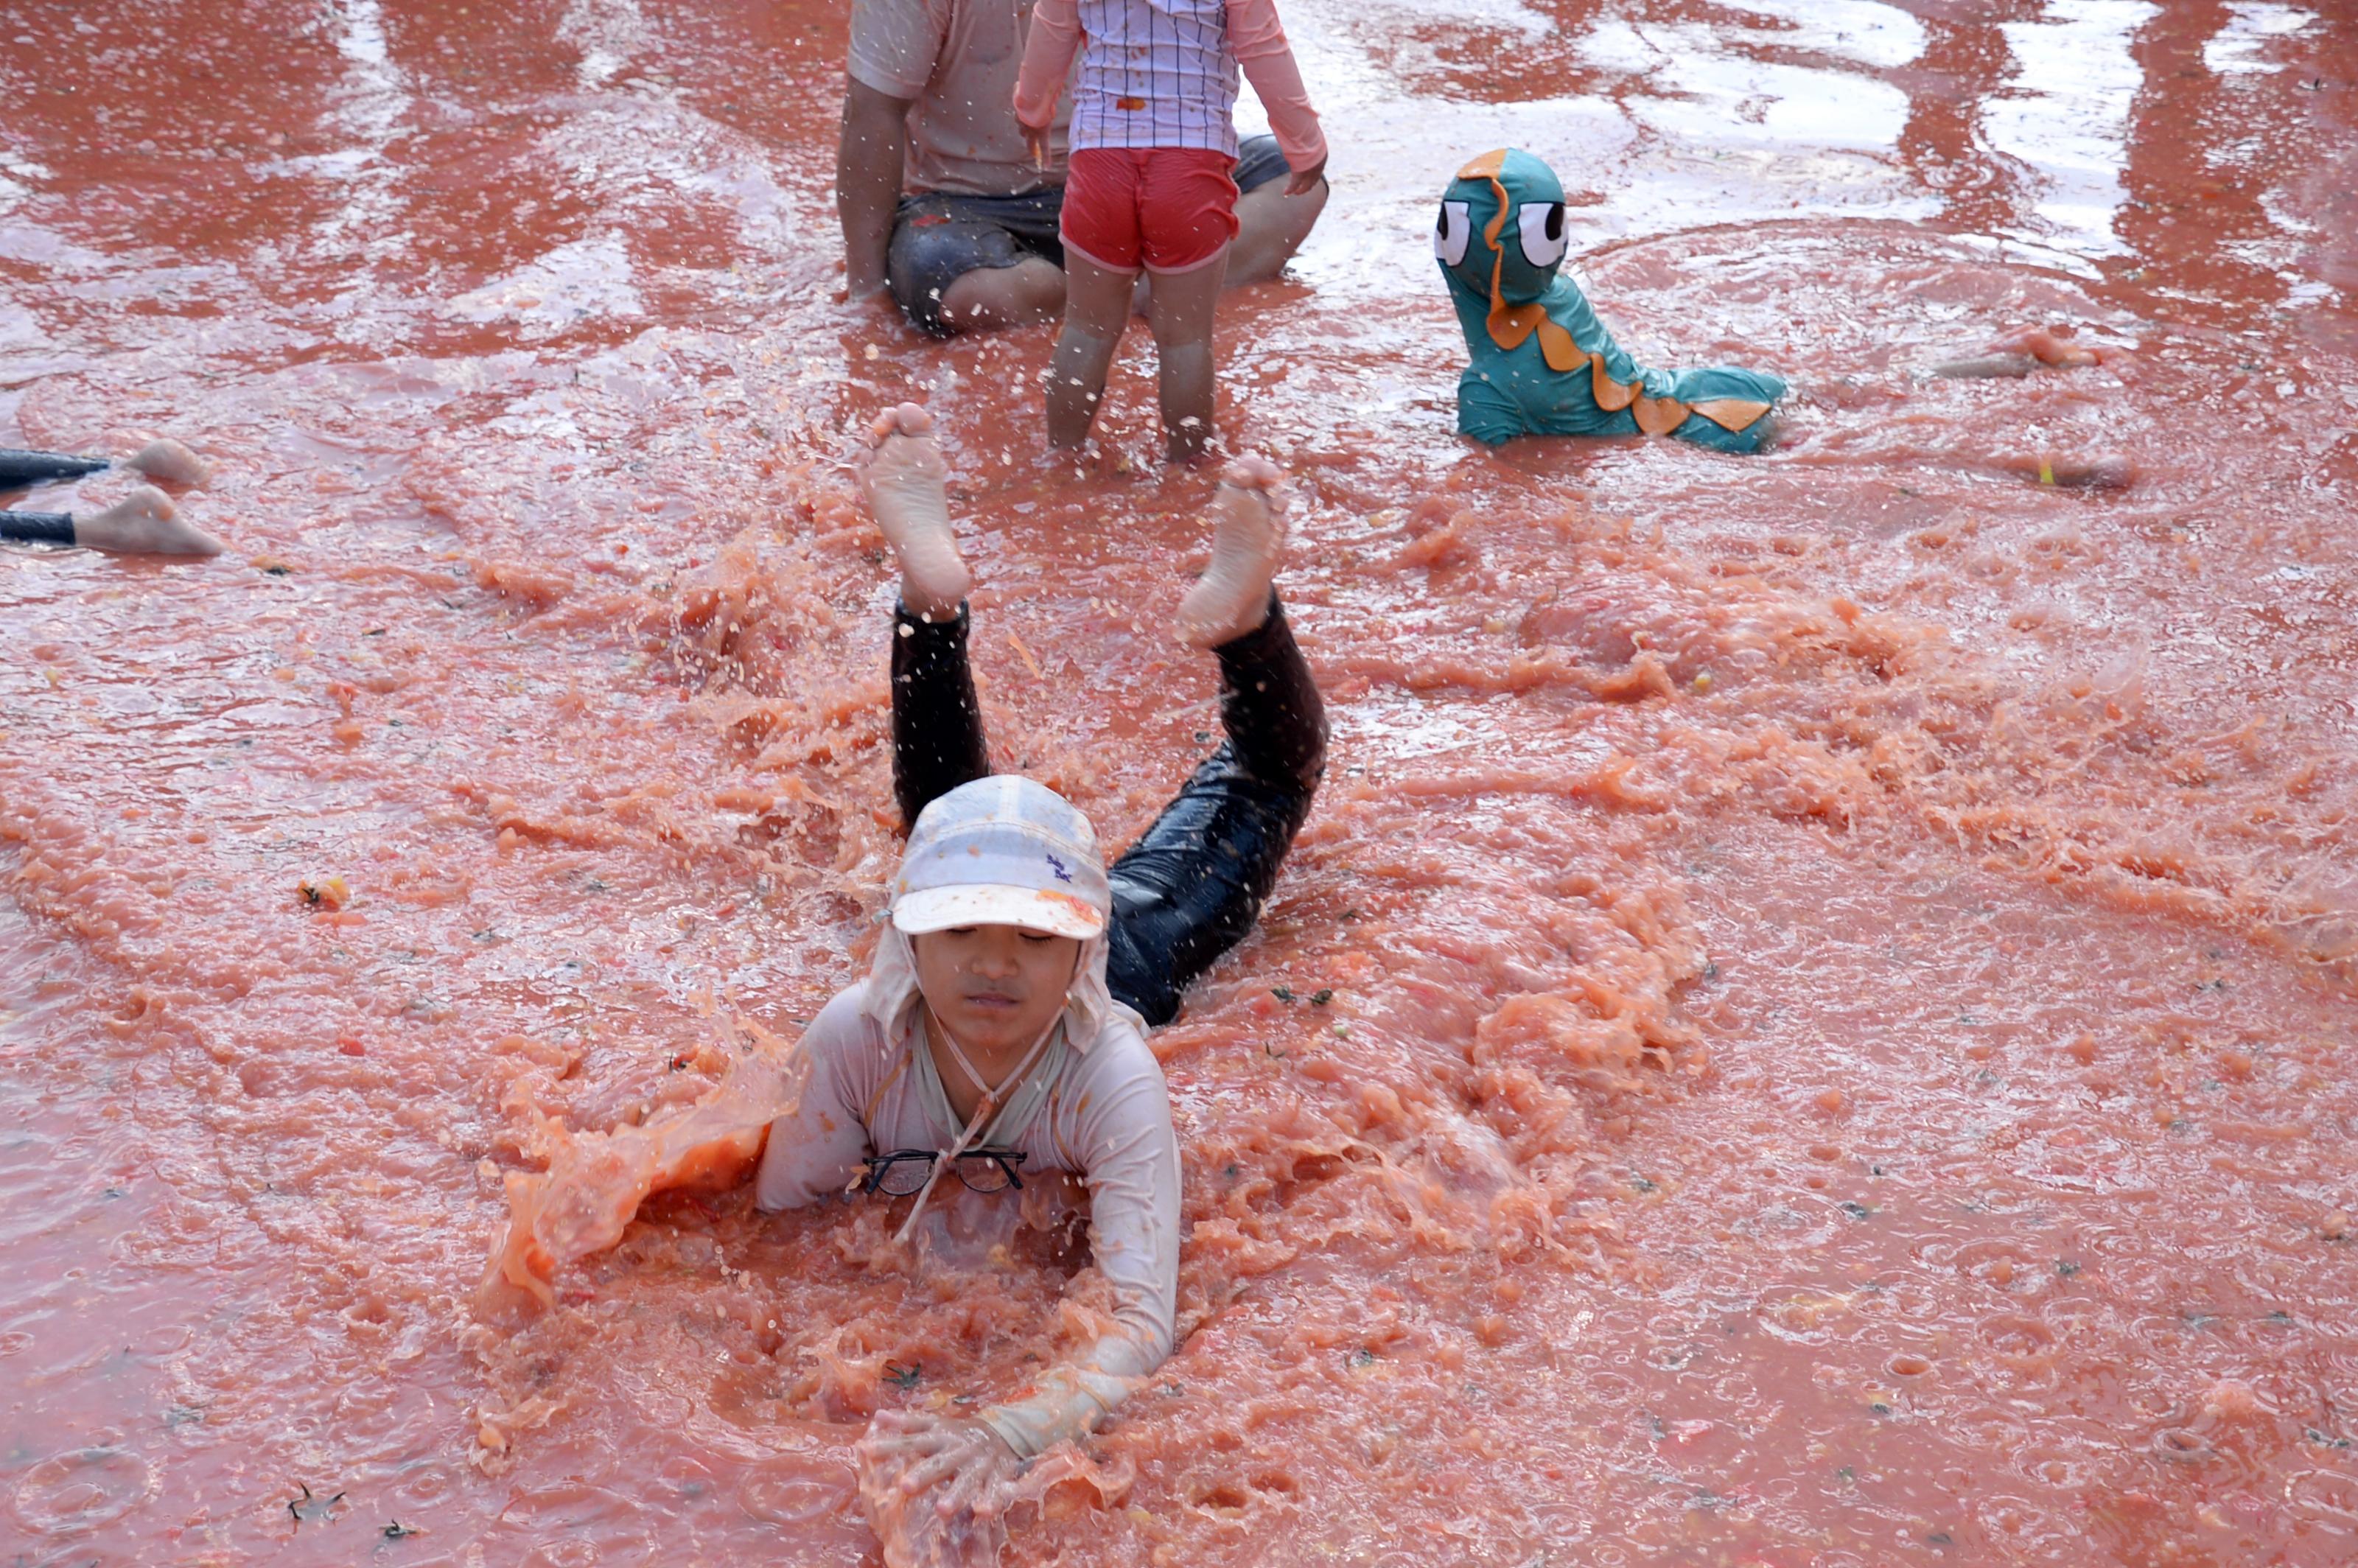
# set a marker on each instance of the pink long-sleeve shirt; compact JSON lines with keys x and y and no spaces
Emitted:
{"x":1162,"y":73}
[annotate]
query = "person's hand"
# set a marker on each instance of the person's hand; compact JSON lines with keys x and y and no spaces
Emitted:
{"x":936,"y":1488}
{"x":967,"y":1465}
{"x":1035,"y":137}
{"x":867,"y":285}
{"x":1303,"y":181}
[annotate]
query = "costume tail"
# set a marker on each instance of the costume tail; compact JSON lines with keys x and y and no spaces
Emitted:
{"x":1728,"y":409}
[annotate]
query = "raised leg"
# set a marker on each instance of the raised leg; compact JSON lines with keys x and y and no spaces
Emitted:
{"x":1192,"y":885}
{"x":1248,"y":539}
{"x":937,"y":742}
{"x":143,"y":522}
{"x":905,"y":482}
{"x":169,"y":461}
{"x":165,"y":460}
{"x":36,"y":529}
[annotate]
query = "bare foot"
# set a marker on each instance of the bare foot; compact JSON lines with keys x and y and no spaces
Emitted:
{"x":2048,"y":347}
{"x":903,"y":482}
{"x":171,"y":461}
{"x":142,"y":524}
{"x":2076,"y":471}
{"x":1986,"y":367}
{"x":1248,"y":539}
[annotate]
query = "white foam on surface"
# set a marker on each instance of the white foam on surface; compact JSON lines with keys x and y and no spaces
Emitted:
{"x":2240,"y":46}
{"x":588,"y":278}
{"x":2075,"y":79}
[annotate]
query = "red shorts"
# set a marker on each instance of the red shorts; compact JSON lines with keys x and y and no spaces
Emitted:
{"x":1165,"y":208}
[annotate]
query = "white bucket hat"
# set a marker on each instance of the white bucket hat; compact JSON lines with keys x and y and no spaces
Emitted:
{"x":1003,"y":851}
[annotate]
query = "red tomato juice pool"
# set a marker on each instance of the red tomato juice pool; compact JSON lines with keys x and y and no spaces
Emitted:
{"x":1811,"y":1025}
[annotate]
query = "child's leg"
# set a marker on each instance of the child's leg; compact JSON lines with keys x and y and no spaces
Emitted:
{"x":1096,"y":307}
{"x":171,"y":461}
{"x":142,"y":524}
{"x":1232,"y":596}
{"x":904,"y":482}
{"x":1188,"y":210}
{"x":36,"y":529}
{"x":937,"y":742}
{"x":1192,"y":885}
{"x":165,"y":459}
{"x":1182,"y":310}
{"x":22,"y":471}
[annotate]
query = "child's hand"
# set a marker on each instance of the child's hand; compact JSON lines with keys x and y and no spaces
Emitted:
{"x":1036,"y":138}
{"x":1303,"y":181}
{"x":936,"y":1489}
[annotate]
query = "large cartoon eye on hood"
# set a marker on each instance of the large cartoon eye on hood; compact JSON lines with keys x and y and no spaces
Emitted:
{"x":1453,"y":232}
{"x":1502,"y":237}
{"x":1542,"y":225}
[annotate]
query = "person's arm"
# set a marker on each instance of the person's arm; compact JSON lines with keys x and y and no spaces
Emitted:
{"x":893,"y":49}
{"x":1257,"y":40}
{"x":814,"y":1149}
{"x":868,"y":165}
{"x":1132,"y":1170}
{"x":944,"y":1478}
{"x":1048,"y":49}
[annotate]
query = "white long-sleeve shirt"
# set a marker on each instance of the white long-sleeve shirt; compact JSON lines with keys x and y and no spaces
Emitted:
{"x":871,"y":1088}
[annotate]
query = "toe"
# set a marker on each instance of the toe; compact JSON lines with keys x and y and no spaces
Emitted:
{"x":902,"y":419}
{"x":1253,"y":471}
{"x":167,"y":459}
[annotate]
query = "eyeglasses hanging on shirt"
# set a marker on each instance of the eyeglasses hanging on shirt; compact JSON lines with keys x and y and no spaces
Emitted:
{"x":905,"y":1171}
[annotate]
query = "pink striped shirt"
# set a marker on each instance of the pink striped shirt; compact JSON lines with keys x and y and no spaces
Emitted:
{"x":1162,"y":73}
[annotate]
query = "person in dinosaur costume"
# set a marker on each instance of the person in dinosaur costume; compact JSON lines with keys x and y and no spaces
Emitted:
{"x":1543,"y":363}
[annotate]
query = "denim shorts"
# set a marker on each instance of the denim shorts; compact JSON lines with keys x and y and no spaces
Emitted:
{"x":936,"y":240}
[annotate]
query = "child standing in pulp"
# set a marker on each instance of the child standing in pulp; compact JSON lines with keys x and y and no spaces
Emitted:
{"x":1153,"y":140}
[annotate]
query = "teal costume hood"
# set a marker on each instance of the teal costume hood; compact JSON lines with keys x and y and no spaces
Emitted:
{"x":1542,"y":364}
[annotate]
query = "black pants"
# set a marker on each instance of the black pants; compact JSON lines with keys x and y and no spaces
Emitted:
{"x":1195,"y":882}
{"x":21,"y":469}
